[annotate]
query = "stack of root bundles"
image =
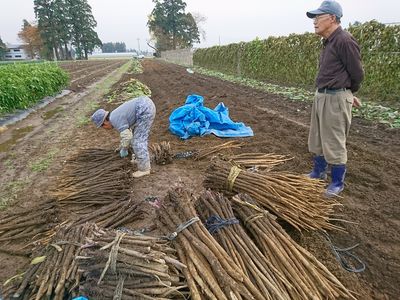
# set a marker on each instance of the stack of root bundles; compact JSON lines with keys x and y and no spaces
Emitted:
{"x":217,"y":213}
{"x":211,"y":273}
{"x":53,"y":273}
{"x":121,"y":266}
{"x":93,"y":177}
{"x":119,"y":213}
{"x":308,"y":278}
{"x":28,"y":227}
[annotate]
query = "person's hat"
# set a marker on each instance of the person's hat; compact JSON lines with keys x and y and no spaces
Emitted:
{"x":327,"y":7}
{"x":99,"y":116}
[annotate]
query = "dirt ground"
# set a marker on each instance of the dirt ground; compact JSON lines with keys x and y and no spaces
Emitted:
{"x":370,"y":199}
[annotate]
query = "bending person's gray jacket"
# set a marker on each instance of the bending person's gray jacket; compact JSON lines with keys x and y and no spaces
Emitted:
{"x":136,"y":115}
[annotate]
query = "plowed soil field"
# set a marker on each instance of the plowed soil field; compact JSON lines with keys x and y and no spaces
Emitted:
{"x":370,"y":200}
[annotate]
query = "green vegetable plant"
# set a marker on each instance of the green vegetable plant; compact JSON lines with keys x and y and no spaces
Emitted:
{"x":22,"y":85}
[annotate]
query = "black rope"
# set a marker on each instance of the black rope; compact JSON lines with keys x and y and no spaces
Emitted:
{"x":151,"y":198}
{"x":343,"y":256}
{"x":185,"y":154}
{"x":215,"y":223}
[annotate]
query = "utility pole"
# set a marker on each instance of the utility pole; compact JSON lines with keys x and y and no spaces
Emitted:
{"x":138,"y":43}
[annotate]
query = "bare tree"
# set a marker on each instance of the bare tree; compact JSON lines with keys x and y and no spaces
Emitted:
{"x":200,"y":20}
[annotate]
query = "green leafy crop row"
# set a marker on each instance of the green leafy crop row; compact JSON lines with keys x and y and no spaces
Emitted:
{"x":22,"y":85}
{"x":293,"y":59}
{"x":136,"y":67}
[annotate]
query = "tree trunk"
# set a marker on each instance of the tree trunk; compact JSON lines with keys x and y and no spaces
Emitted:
{"x":55,"y":56}
{"x":62,"y":54}
{"x":67,"y":53}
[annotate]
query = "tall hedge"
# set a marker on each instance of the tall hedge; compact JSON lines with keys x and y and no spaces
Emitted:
{"x":293,"y":59}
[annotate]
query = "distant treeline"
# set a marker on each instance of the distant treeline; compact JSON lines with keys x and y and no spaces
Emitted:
{"x":111,"y":47}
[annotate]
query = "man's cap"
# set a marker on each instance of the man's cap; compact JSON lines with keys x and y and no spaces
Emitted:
{"x":327,"y":7}
{"x":99,"y":116}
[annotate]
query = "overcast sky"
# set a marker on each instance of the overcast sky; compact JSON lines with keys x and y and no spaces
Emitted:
{"x":226,"y":22}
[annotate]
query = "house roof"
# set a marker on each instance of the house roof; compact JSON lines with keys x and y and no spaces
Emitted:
{"x":14,"y":46}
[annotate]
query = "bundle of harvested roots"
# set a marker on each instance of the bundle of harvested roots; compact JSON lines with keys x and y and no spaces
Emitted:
{"x":309,"y":278}
{"x":161,"y":153}
{"x":211,"y":273}
{"x":28,"y":227}
{"x":217,"y":213}
{"x":93,"y":177}
{"x":115,"y":214}
{"x":258,"y":160}
{"x":295,"y":198}
{"x":53,"y":274}
{"x":211,"y":150}
{"x":121,"y":266}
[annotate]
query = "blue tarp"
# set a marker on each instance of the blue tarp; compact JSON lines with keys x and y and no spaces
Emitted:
{"x":194,"y":119}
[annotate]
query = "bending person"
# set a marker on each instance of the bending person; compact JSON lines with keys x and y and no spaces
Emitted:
{"x":133,"y":120}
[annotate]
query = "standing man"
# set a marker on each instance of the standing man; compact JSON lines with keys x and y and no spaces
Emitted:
{"x":137,"y":116}
{"x":339,"y":76}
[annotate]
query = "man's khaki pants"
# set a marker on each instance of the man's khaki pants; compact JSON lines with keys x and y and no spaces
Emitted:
{"x":330,"y":125}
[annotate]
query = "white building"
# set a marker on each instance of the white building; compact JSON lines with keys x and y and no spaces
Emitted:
{"x":16,"y":52}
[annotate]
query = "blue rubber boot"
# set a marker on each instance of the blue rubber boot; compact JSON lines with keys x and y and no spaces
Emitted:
{"x":319,"y":170}
{"x":337,"y":185}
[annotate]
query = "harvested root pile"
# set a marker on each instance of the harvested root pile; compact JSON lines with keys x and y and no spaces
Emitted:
{"x":224,"y":226}
{"x":258,"y":160}
{"x":115,"y":214}
{"x":211,"y":273}
{"x":53,"y":274}
{"x":295,"y":198}
{"x":28,"y":227}
{"x":203,"y":153}
{"x":93,"y":177}
{"x":119,"y":266}
{"x":161,"y":153}
{"x":309,"y":278}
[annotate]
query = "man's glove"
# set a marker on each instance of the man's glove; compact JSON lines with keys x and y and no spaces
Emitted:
{"x":123,"y":152}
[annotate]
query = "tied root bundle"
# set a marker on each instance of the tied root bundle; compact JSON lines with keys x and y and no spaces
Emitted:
{"x":121,"y":266}
{"x":296,"y":199}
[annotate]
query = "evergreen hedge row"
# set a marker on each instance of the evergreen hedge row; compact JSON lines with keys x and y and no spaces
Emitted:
{"x":22,"y":85}
{"x":293,"y":59}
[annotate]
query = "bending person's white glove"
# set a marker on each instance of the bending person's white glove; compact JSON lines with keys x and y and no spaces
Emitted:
{"x":126,"y":137}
